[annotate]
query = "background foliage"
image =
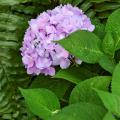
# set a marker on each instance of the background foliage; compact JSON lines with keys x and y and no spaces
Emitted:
{"x":14,"y":17}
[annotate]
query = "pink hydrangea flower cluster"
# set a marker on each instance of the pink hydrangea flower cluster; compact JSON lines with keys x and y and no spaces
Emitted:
{"x":39,"y":52}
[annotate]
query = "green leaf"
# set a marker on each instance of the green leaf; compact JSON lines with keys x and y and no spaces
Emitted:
{"x":74,"y":74}
{"x":9,"y":2}
{"x":109,"y":116}
{"x":91,"y":13}
{"x":99,"y":28}
{"x":84,"y":45}
{"x":113,"y":25}
{"x":107,"y":63}
{"x":28,"y":9}
{"x":103,"y":15}
{"x":116,"y":80}
{"x":86,"y":5}
{"x":76,"y":2}
{"x":65,"y":1}
{"x":83,"y":92}
{"x":99,"y":1}
{"x":80,"y":111}
{"x":105,"y":6}
{"x":58,"y":86}
{"x":16,"y":2}
{"x":116,"y":57}
{"x":111,"y":101}
{"x":116,"y":36}
{"x":41,"y":102}
{"x":108,"y":44}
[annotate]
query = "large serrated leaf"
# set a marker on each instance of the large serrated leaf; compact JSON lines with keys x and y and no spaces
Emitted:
{"x":107,"y":63}
{"x":74,"y":74}
{"x":111,"y":101}
{"x":108,"y":44}
{"x":116,"y":80}
{"x":109,"y":116}
{"x":84,"y":45}
{"x":80,"y":111}
{"x":113,"y":25}
{"x":41,"y":102}
{"x":84,"y":92}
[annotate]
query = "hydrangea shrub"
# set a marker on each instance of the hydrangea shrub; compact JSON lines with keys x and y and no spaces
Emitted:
{"x":40,"y":54}
{"x":93,"y":97}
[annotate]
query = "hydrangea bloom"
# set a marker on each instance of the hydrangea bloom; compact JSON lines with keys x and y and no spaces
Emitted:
{"x":39,"y":53}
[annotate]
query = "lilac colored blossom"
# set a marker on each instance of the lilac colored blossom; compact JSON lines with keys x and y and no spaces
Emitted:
{"x":39,"y":53}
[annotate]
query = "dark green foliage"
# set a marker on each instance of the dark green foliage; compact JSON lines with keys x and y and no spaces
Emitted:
{"x":14,"y":15}
{"x":12,"y":71}
{"x":58,"y":86}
